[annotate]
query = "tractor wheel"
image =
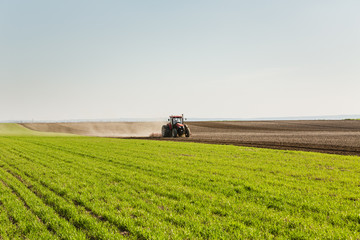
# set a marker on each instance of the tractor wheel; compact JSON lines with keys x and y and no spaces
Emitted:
{"x":187,"y":131}
{"x":165,"y":131}
{"x":174,"y":133}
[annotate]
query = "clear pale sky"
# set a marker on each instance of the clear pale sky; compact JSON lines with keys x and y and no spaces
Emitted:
{"x":212,"y":59}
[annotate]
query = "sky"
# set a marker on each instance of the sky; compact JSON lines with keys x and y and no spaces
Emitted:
{"x":110,"y":59}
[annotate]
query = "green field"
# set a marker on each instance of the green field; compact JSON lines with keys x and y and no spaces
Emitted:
{"x":58,"y":187}
{"x":13,"y":129}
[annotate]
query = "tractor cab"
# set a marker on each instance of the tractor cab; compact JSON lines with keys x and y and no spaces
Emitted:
{"x":176,"y":119}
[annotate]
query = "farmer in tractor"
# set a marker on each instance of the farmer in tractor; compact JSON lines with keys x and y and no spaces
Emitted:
{"x":177,"y":120}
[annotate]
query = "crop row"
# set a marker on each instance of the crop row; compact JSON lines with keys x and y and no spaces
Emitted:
{"x":77,"y":188}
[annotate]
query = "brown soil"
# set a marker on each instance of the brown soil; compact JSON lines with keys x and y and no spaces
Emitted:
{"x":328,"y":136}
{"x":339,"y":137}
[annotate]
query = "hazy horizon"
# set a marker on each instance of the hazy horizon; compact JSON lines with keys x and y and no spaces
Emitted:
{"x":191,"y":119}
{"x":206,"y":59}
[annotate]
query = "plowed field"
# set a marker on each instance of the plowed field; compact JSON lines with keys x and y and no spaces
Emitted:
{"x":328,"y":136}
{"x":340,"y":137}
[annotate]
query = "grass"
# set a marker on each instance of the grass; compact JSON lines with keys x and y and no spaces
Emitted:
{"x":98,"y":188}
{"x":13,"y":129}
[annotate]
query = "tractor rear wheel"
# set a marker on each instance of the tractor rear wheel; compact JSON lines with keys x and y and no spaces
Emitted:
{"x":174,"y":133}
{"x":165,"y":131}
{"x":187,"y":131}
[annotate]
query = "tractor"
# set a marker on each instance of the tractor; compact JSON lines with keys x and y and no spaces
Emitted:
{"x":175,"y":127}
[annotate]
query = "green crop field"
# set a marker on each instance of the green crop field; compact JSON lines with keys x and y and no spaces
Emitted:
{"x":13,"y":129}
{"x":60,"y":187}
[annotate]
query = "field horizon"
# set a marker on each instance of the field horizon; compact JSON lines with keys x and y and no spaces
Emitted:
{"x":193,"y":119}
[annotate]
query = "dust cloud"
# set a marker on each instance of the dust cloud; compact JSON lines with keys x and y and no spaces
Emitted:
{"x":101,"y":129}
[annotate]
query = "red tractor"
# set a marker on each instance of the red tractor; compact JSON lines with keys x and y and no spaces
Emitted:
{"x":175,"y":127}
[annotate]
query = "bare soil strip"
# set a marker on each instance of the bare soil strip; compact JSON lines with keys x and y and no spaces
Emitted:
{"x":327,"y":136}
